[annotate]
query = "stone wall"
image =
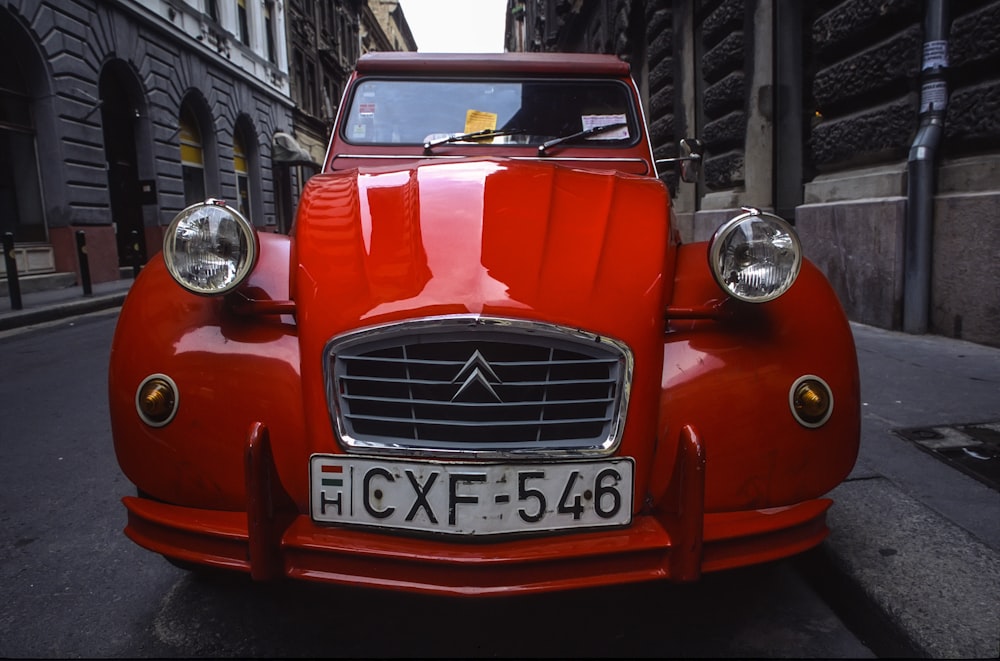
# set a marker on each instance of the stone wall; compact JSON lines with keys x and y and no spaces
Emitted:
{"x":664,"y":125}
{"x":720,"y":27}
{"x":965,"y":301}
{"x":866,"y":57}
{"x":973,"y":120}
{"x":862,"y":94}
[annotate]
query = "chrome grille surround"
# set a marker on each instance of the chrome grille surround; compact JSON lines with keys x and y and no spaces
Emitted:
{"x":472,"y":386}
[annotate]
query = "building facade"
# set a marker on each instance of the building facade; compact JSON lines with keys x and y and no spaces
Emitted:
{"x":325,"y":39}
{"x":384,"y":27}
{"x":123,"y":112}
{"x":323,"y":45}
{"x":872,"y":124}
{"x":116,"y":114}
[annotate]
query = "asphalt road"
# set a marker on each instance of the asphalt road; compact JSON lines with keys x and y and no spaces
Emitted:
{"x":72,"y":585}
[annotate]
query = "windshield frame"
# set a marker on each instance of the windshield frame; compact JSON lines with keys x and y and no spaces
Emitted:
{"x":632,"y":111}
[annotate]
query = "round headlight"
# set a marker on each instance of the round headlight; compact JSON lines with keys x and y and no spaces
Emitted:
{"x":210,"y":248}
{"x":755,"y":257}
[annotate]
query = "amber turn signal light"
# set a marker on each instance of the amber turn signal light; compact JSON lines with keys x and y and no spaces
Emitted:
{"x":156,"y":400}
{"x":811,"y":401}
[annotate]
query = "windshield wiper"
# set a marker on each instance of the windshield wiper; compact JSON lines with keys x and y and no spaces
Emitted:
{"x":593,"y":130}
{"x":477,"y":135}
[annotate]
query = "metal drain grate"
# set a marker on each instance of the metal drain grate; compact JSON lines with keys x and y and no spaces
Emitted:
{"x":973,"y":449}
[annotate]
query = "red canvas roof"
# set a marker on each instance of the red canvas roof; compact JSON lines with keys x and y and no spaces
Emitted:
{"x":410,"y":62}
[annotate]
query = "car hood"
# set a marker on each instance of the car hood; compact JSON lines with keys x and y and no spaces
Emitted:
{"x":481,"y":237}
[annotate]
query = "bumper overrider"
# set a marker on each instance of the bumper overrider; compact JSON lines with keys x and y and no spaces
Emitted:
{"x":674,"y":539}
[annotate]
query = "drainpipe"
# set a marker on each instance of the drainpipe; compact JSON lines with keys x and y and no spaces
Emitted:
{"x":919,"y":229}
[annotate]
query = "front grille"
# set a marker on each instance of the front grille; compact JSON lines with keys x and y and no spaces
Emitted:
{"x":480,"y":385}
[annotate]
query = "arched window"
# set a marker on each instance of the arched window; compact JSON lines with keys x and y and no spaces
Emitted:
{"x":21,"y":210}
{"x":242,"y":169}
{"x":192,"y":157}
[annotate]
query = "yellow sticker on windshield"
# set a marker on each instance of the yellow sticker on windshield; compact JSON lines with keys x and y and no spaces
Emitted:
{"x":478,"y":120}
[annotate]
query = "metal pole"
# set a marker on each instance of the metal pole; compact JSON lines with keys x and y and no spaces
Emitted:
{"x":134,"y":236}
{"x":13,"y":284}
{"x":81,"y":253}
{"x":919,"y":230}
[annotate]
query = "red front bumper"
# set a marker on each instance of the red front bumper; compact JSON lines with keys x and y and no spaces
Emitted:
{"x":677,"y":545}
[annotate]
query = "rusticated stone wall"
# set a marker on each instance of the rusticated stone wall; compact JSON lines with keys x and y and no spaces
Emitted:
{"x":964,"y":298}
{"x":972,"y":124}
{"x":660,"y":63}
{"x":720,"y":26}
{"x":866,"y":57}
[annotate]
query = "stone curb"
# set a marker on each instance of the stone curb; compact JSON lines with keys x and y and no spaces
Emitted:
{"x":939,"y":585}
{"x":78,"y":306}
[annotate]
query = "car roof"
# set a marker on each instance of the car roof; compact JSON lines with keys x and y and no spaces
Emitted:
{"x":532,"y":63}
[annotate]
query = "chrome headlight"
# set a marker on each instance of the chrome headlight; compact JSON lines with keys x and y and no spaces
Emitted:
{"x":210,"y":248}
{"x":755,"y":257}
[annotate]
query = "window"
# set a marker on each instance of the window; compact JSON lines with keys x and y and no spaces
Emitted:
{"x":341,"y":33}
{"x":244,"y":24}
{"x":310,"y":95}
{"x":212,"y":9}
{"x":329,"y":99}
{"x":242,"y":174}
{"x":305,"y":89}
{"x":192,"y":158}
{"x":269,"y":31}
{"x":299,"y":77}
{"x":20,"y":191}
{"x":327,"y":13}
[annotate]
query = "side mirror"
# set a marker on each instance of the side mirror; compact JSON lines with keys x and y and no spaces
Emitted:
{"x":691,"y":150}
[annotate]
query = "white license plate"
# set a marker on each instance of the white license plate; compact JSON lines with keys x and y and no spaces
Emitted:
{"x":471,"y":498}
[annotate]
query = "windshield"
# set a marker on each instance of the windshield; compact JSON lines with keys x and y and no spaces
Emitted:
{"x":435,"y":112}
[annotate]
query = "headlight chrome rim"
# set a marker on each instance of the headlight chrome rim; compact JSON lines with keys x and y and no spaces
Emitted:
{"x":223,"y":241}
{"x":779,"y":242}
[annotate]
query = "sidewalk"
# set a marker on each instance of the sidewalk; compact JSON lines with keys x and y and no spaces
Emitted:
{"x":53,"y":304}
{"x":918,"y":537}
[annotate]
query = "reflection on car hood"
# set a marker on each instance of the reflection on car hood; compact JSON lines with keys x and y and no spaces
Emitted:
{"x":487,"y":237}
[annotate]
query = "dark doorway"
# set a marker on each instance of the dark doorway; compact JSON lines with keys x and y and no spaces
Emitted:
{"x":21,"y":83}
{"x":119,"y":114}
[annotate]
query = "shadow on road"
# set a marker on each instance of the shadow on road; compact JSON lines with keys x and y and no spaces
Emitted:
{"x":737,"y":613}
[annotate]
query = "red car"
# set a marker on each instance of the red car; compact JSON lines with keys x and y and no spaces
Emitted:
{"x":482,"y":362}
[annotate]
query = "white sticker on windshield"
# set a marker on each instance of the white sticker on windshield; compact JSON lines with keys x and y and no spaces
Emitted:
{"x":590,"y":121}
